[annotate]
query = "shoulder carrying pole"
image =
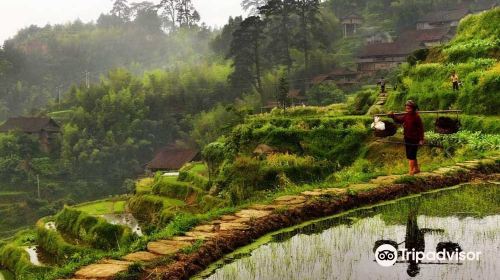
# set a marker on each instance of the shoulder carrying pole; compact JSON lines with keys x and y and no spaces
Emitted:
{"x":424,"y":112}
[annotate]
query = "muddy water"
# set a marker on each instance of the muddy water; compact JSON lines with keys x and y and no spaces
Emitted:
{"x":342,"y":247}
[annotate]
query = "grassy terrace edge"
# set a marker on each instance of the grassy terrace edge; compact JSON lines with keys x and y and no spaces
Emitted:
{"x":287,"y":211}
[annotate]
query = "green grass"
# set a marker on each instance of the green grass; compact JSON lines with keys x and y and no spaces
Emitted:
{"x":103,"y":207}
{"x":144,"y":185}
{"x":11,"y":193}
{"x":200,"y":169}
{"x":168,"y":202}
{"x":170,"y":178}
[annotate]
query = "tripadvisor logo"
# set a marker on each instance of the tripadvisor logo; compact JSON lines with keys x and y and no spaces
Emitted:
{"x":387,"y":255}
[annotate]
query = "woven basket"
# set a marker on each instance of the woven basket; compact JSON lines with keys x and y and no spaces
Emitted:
{"x":445,"y":125}
{"x":390,"y":130}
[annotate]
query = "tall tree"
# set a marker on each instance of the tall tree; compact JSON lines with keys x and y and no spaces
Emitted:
{"x":142,"y":7}
{"x":308,"y":11}
{"x":187,"y":15}
{"x":222,"y":42}
{"x":246,"y":54}
{"x":169,"y":12}
{"x":121,"y":10}
{"x":281,"y":10}
{"x":252,"y":6}
{"x":282,"y":94}
{"x":146,"y":16}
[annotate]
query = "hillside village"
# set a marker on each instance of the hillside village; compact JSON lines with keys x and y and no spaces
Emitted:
{"x":121,"y":178}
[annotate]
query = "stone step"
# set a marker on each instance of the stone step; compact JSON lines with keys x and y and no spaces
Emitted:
{"x":253,"y":214}
{"x":363,"y":187}
{"x":105,"y":269}
{"x":385,"y":180}
{"x":142,"y":256}
{"x":290,"y":200}
{"x":449,"y":170}
{"x":204,"y":228}
{"x":233,"y":226}
{"x":263,"y":207}
{"x":201,"y":235}
{"x":185,"y":239}
{"x":166,"y":247}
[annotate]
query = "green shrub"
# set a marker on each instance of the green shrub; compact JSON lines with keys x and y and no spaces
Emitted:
{"x":96,"y":232}
{"x":362,"y":102}
{"x":484,"y":96}
{"x":209,"y":202}
{"x":106,"y":236}
{"x":166,"y":216}
{"x":488,"y":125}
{"x":193,"y":173}
{"x":145,"y":209}
{"x":171,"y":188}
{"x":325,"y":93}
{"x":213,"y":154}
{"x":473,"y":141}
{"x":54,"y":244}
{"x":361,"y":170}
{"x":17,"y":260}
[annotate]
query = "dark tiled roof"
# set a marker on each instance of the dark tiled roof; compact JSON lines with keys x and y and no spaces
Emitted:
{"x":293,"y":93}
{"x":444,"y":16}
{"x":319,"y":79}
{"x":425,"y":35}
{"x":271,"y":105}
{"x":396,"y":49}
{"x":483,"y":6}
{"x":342,"y":72}
{"x":352,"y":16}
{"x":172,"y":158}
{"x":30,"y":125}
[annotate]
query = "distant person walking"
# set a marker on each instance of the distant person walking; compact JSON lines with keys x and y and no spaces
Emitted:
{"x":455,"y":81}
{"x":413,"y":133}
{"x":381,"y":82}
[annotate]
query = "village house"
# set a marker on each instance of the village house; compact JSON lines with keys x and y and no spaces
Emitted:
{"x":440,"y":19}
{"x":296,"y":98}
{"x":342,"y":77}
{"x":433,"y":29}
{"x":45,"y":128}
{"x":351,"y":24}
{"x":172,"y":158}
{"x":479,"y":7}
{"x":427,"y":38}
{"x":385,"y":56}
{"x":319,"y":79}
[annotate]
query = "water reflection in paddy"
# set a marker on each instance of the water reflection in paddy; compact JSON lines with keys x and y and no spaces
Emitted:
{"x":126,"y":219}
{"x":342,"y":247}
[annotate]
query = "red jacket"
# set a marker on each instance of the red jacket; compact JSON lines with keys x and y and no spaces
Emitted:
{"x":412,"y":124}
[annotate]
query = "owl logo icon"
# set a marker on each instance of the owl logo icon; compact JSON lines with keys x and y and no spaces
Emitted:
{"x":386,"y":255}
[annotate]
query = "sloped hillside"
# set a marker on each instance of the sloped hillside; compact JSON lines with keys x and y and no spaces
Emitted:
{"x":474,"y":55}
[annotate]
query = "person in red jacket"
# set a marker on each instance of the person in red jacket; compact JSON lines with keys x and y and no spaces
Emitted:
{"x":413,"y":133}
